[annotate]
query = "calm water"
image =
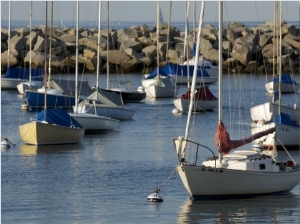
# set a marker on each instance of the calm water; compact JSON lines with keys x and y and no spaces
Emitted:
{"x":108,"y":176}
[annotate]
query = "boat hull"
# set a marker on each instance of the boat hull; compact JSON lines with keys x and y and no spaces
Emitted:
{"x":285,"y":87}
{"x":10,"y":83}
{"x":199,"y":105}
{"x":128,"y":96}
{"x":209,"y":182}
{"x":285,"y":135}
{"x":159,"y":87}
{"x":39,"y":133}
{"x":92,"y":122}
{"x":265,"y":111}
{"x":183,"y":80}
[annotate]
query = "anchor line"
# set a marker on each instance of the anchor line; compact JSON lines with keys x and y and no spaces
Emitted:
{"x":158,"y":188}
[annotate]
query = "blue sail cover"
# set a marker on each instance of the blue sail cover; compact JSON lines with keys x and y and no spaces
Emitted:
{"x":58,"y":116}
{"x":180,"y":70}
{"x":285,"y":119}
{"x":23,"y":73}
{"x":286,"y":78}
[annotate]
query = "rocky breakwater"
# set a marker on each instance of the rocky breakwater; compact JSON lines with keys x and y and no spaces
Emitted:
{"x":133,"y":50}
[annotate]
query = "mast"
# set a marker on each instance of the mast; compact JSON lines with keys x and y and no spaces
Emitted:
{"x":220,"y":85}
{"x":107,"y":67}
{"x":98,"y":47}
{"x":280,"y":58}
{"x":185,"y":48}
{"x":168,"y":37}
{"x":9,"y":24}
{"x":195,"y":71}
{"x":45,"y":67}
{"x":30,"y":44}
{"x":76,"y":63}
{"x":157,"y":34}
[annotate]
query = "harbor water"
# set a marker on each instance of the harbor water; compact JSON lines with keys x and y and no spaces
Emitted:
{"x":107,"y":177}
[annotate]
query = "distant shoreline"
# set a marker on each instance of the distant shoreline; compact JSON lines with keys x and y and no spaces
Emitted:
{"x":120,"y":24}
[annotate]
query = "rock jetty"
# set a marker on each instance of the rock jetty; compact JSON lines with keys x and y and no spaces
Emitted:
{"x":133,"y":50}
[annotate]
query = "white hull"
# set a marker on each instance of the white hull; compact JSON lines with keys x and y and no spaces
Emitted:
{"x":183,"y":80}
{"x":10,"y":83}
{"x":114,"y":112}
{"x":202,"y":181}
{"x":264,"y":112}
{"x":199,"y":105}
{"x":285,"y":88}
{"x":92,"y":122}
{"x":159,"y":87}
{"x":285,"y":135}
{"x":34,"y":85}
{"x":39,"y":133}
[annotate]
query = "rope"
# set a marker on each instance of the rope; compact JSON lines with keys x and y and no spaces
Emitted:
{"x":158,"y":188}
{"x":12,"y":144}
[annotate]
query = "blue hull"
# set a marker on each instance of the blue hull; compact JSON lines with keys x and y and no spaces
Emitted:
{"x":36,"y":100}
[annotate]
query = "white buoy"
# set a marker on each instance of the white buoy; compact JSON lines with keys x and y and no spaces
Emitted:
{"x":24,"y":106}
{"x":154,"y":197}
{"x":175,"y":111}
{"x":5,"y":144}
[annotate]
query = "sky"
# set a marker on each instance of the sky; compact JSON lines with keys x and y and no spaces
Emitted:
{"x":239,"y":11}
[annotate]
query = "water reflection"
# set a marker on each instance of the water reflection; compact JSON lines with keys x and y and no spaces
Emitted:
{"x":282,"y":208}
{"x":34,"y":149}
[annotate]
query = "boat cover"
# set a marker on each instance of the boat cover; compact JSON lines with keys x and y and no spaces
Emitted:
{"x":286,"y":78}
{"x":23,"y":73}
{"x":202,"y":93}
{"x":286,"y":119}
{"x":180,"y":70}
{"x":58,"y":116}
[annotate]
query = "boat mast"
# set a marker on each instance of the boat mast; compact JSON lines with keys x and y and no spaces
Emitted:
{"x":30,"y":44}
{"x":98,"y":47}
{"x":220,"y":85}
{"x":185,"y":48}
{"x":9,"y":24}
{"x":76,"y":63}
{"x":45,"y":67}
{"x":195,"y":71}
{"x":280,"y":57}
{"x":157,"y":36}
{"x":107,"y":41}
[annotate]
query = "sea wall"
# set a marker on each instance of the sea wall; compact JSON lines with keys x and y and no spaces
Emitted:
{"x":133,"y":50}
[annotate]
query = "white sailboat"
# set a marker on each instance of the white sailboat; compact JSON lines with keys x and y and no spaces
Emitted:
{"x":204,"y":100}
{"x":91,"y":122}
{"x":230,"y":174}
{"x":123,"y":87}
{"x":284,"y":119}
{"x":158,"y":86}
{"x":54,"y":126}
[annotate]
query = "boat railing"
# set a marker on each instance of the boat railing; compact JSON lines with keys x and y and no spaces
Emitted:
{"x":191,"y":155}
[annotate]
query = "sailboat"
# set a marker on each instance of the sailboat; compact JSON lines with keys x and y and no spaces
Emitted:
{"x":35,"y":81}
{"x":231,"y":173}
{"x":90,"y":122}
{"x":123,"y":89}
{"x":204,"y":100}
{"x":15,"y":75}
{"x":286,"y":81}
{"x":158,"y":85}
{"x":283,"y":118}
{"x":53,"y":126}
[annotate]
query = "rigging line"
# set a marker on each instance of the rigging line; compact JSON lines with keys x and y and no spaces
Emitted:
{"x":286,"y":151}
